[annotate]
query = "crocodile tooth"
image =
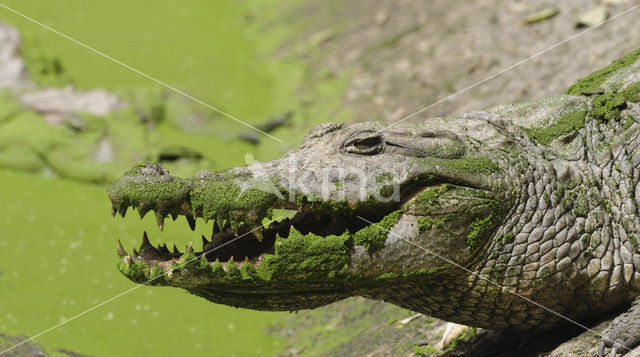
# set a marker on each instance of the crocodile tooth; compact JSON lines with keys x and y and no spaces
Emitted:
{"x":145,"y":243}
{"x":192,"y":222}
{"x":245,"y":263}
{"x":216,"y":229}
{"x":160,"y":221}
{"x":135,"y":253}
{"x":189,"y":248}
{"x":173,"y":216}
{"x":175,"y":250}
{"x":258,"y":234}
{"x":121,"y":252}
{"x":204,"y":242}
{"x":114,"y":210}
{"x":163,"y":248}
{"x":142,"y":211}
{"x":123,"y":210}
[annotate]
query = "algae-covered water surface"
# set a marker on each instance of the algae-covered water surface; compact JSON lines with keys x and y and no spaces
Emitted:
{"x":210,"y":49}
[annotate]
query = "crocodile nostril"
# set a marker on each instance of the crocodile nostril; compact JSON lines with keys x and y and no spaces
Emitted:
{"x":447,"y":134}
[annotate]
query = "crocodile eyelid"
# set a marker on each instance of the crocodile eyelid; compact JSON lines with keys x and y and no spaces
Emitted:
{"x":371,"y":143}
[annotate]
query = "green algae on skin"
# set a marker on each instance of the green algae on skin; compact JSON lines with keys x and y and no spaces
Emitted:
{"x":135,"y":271}
{"x":628,"y":122}
{"x":593,"y":81}
{"x":157,"y":276}
{"x":427,"y":222}
{"x":373,"y":236}
{"x":307,"y":257}
{"x":412,"y":274}
{"x":431,"y":195}
{"x":581,"y":206}
{"x":150,"y":187}
{"x":148,"y":191}
{"x":224,"y":199}
{"x":233,"y":272}
{"x":608,"y":107}
{"x":343,"y":207}
{"x":479,"y":228}
{"x":566,"y":124}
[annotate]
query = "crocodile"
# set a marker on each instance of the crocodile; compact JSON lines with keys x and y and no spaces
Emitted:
{"x":520,"y":217}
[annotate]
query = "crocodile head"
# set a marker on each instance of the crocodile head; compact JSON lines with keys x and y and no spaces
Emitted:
{"x":361,"y":195}
{"x":500,"y":219}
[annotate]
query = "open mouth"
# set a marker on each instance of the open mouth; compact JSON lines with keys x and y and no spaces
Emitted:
{"x":247,"y":244}
{"x":237,"y":241}
{"x":246,"y":248}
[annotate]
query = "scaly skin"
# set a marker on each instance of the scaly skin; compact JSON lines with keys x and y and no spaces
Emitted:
{"x":537,"y":197}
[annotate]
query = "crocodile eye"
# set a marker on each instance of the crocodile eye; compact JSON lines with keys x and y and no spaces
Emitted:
{"x":366,"y":142}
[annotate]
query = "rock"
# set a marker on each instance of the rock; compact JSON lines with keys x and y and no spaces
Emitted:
{"x":614,"y":2}
{"x":104,"y":152}
{"x":542,"y":15}
{"x":30,"y":348}
{"x":452,"y":332}
{"x":175,"y":153}
{"x":58,"y":104}
{"x":250,"y":137}
{"x":275,"y":122}
{"x":585,"y":344}
{"x":592,"y":17}
{"x":408,"y":319}
{"x":270,"y":125}
{"x":380,"y":329}
{"x":13,"y":74}
{"x":382,"y":17}
{"x":322,"y":36}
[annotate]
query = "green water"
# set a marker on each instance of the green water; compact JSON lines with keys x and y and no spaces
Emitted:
{"x":208,"y":48}
{"x":57,"y":259}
